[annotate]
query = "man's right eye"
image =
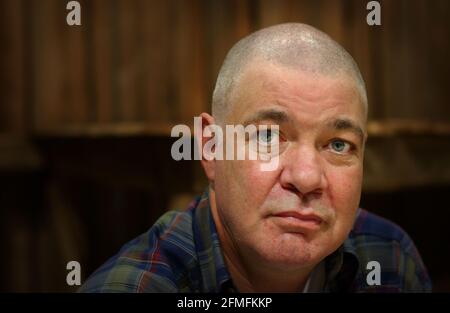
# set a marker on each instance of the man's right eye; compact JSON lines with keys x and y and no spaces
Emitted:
{"x":268,"y":136}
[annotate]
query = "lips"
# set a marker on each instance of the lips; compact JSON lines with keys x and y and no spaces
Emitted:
{"x":295,"y":221}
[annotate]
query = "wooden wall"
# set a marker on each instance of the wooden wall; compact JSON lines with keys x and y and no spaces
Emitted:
{"x":155,"y":62}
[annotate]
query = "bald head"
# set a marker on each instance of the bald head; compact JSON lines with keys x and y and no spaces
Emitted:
{"x":297,"y":46}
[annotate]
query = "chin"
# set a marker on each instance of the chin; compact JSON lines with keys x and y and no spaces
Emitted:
{"x":290,"y":252}
{"x":292,"y":261}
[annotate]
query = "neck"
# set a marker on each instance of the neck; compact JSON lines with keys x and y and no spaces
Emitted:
{"x":250,"y":274}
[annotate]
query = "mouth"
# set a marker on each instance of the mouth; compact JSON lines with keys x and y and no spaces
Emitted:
{"x":294,"y":221}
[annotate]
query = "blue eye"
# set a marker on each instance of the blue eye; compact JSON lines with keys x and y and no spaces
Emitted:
{"x":267,"y":136}
{"x":340,"y":146}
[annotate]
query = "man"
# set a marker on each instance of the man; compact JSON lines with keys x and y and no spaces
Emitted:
{"x":297,"y":227}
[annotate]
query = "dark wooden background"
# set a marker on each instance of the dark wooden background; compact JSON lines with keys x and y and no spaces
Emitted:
{"x":86,"y":113}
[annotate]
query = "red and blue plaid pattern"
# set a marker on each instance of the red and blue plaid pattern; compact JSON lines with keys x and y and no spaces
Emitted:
{"x":181,"y":253}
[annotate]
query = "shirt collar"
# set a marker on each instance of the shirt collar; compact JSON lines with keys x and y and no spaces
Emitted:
{"x":212,"y":265}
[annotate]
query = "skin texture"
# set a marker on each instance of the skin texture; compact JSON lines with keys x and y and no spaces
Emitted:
{"x":264,"y":251}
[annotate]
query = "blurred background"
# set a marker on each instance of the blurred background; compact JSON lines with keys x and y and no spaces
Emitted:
{"x":86,"y":113}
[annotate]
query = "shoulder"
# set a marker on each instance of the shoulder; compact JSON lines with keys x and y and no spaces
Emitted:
{"x":374,"y":238}
{"x":156,"y":261}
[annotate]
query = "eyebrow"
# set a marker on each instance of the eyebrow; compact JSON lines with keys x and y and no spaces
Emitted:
{"x":279,"y":116}
{"x":346,"y":124}
{"x":268,"y":114}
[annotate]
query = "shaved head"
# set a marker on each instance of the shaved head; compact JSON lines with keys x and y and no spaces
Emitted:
{"x":297,"y":46}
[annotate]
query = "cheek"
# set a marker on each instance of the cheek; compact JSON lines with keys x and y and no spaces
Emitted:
{"x":242,"y":187}
{"x":345,"y":189}
{"x":259,"y":183}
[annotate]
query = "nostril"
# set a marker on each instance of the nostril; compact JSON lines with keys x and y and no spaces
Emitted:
{"x":311,"y":196}
{"x":290,"y":187}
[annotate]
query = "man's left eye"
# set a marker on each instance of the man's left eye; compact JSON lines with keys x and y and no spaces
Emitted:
{"x":340,"y":146}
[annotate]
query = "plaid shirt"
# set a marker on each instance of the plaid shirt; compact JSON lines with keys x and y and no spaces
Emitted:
{"x":182,"y":253}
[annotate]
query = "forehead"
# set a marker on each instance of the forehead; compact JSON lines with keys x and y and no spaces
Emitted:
{"x":306,"y":96}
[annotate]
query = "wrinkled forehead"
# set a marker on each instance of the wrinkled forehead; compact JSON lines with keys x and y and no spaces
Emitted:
{"x":263,"y":83}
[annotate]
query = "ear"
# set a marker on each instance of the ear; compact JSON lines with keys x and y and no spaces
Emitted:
{"x":201,"y":136}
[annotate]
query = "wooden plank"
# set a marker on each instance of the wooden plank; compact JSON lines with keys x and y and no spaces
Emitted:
{"x":12,"y":118}
{"x":331,"y":15}
{"x":397,"y":127}
{"x":74,"y":41}
{"x":199,"y":102}
{"x":128,"y":66}
{"x":189,"y":54}
{"x":154,"y":28}
{"x":358,"y":38}
{"x":271,"y":12}
{"x":102,"y":21}
{"x":116,"y":129}
{"x":48,"y":63}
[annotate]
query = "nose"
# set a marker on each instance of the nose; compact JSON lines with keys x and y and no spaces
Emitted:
{"x":303,"y":172}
